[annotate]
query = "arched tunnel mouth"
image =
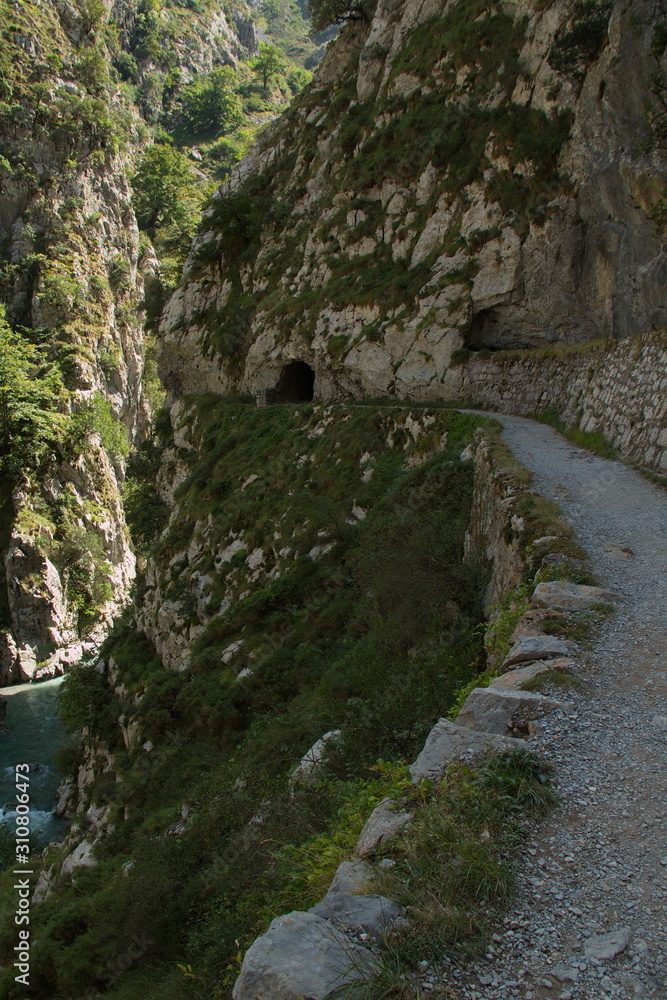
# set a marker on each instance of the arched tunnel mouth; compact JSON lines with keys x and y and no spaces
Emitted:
{"x":296,"y":383}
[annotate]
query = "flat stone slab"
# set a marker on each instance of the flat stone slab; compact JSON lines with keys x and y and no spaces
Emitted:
{"x":561,"y":595}
{"x":607,"y":945}
{"x":491,"y":711}
{"x":351,"y":876}
{"x":380,"y":827}
{"x":514,"y":680}
{"x":370,"y":914}
{"x":534,"y":647}
{"x":617,"y":551}
{"x":448,"y":741}
{"x":301,"y":955}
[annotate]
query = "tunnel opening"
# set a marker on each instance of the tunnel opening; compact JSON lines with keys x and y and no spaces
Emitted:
{"x":483,"y":333}
{"x":296,"y":383}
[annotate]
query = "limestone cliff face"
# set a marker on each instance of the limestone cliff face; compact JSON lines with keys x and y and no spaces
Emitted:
{"x":459,"y":175}
{"x":73,"y":274}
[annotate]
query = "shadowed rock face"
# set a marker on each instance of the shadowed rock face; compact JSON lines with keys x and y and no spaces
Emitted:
{"x":433,"y":191}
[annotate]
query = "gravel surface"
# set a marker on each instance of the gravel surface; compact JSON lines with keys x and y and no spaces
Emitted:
{"x":599,"y":864}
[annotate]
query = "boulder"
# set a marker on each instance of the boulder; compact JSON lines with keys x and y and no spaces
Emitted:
{"x":488,"y":710}
{"x":370,"y":914}
{"x":307,"y":767}
{"x":530,"y":622}
{"x":447,"y":742}
{"x":560,"y":595}
{"x":534,"y":647}
{"x":566,"y":565}
{"x":27,"y":663}
{"x":43,"y":886}
{"x":301,"y":955}
{"x":351,"y":876}
{"x":514,"y":680}
{"x":81,"y":857}
{"x":380,"y":827}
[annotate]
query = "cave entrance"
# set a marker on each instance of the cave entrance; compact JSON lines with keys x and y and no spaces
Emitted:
{"x":296,"y":383}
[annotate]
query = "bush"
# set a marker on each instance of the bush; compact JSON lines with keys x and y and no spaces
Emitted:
{"x":85,"y":700}
{"x":580,"y":45}
{"x":96,"y":417}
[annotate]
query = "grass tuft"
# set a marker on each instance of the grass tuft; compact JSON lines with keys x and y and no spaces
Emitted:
{"x":454,"y":865}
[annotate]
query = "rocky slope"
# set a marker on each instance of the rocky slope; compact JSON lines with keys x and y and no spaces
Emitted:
{"x":458,"y":175}
{"x":309,"y":556}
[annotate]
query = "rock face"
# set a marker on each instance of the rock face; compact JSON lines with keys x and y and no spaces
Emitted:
{"x":81,"y":857}
{"x":452,"y":195}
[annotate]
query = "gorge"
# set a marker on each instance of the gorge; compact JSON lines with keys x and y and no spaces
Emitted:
{"x":250,"y":506}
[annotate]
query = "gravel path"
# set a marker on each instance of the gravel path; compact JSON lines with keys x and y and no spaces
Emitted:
{"x":599,"y":863}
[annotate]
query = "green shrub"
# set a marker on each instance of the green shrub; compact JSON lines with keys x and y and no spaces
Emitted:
{"x":86,"y":700}
{"x":573,"y":49}
{"x":96,"y":416}
{"x":33,"y":425}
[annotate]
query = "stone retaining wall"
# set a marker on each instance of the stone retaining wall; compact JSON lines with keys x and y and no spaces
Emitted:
{"x":617,"y":388}
{"x":494,"y":540}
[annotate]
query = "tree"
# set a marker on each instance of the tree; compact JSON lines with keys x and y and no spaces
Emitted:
{"x":163,"y":186}
{"x":32,"y":402}
{"x":210,"y":106}
{"x":269,"y":64}
{"x":325,"y":13}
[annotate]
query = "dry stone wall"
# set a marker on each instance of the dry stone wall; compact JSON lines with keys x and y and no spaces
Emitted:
{"x":617,"y":389}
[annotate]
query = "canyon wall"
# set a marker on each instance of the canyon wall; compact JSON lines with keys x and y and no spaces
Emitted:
{"x":458,"y":176}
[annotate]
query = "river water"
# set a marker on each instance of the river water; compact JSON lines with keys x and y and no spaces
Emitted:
{"x":31,"y":734}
